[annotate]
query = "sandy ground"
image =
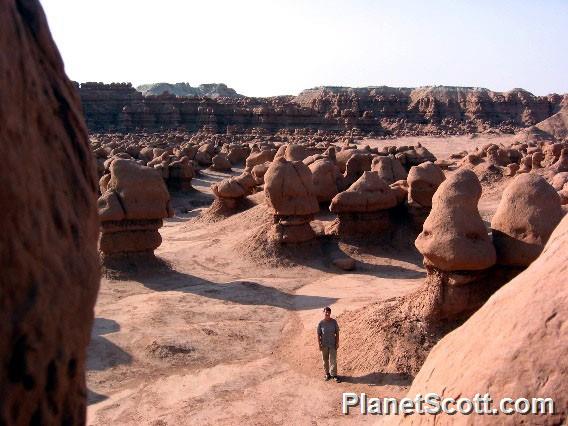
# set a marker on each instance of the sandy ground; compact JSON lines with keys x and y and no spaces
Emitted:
{"x":442,"y":147}
{"x":211,"y":337}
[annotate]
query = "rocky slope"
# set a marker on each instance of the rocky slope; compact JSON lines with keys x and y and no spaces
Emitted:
{"x":382,"y":111}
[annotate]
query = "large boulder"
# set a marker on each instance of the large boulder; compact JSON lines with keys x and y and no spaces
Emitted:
{"x":559,"y":180}
{"x":180,"y":174}
{"x":389,"y":169}
{"x":48,"y":228}
{"x":230,"y":196}
{"x":527,"y":214}
{"x":234,"y":187}
{"x":454,"y":237}
{"x":289,"y":189}
{"x":354,"y":168}
{"x":295,"y":152}
{"x":221,"y":163}
{"x":561,"y":165}
{"x":258,"y":157}
{"x":141,"y":190}
{"x":259,"y":171}
{"x":363,"y":208}
{"x":368,"y":194}
{"x":324,"y":177}
{"x":423,"y":181}
{"x":521,"y":329}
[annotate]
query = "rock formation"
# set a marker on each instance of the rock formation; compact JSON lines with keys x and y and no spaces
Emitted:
{"x":561,"y":165}
{"x":457,"y":250}
{"x":527,"y":214}
{"x":49,"y":227}
{"x":220,"y":162}
{"x":131,"y":210}
{"x":363,"y":208}
{"x":325,"y":175}
{"x":522,"y":327}
{"x":259,"y":171}
{"x":230,"y":194}
{"x":185,"y":90}
{"x":258,"y":156}
{"x":290,"y":193}
{"x":454,"y":236}
{"x":389,"y":169}
{"x":423,"y":181}
{"x":354,"y":169}
{"x":381,"y":110}
{"x":180,"y":173}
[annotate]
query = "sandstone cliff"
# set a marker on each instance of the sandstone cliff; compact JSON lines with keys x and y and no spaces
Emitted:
{"x":382,"y":111}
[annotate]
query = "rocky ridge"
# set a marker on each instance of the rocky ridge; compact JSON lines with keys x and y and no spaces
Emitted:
{"x":212,"y":90}
{"x":379,"y":111}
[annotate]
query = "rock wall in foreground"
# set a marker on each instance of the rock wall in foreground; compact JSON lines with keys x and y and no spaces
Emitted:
{"x":48,"y":228}
{"x":514,"y":346}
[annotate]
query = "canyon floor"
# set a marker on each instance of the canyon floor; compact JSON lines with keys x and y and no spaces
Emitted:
{"x":211,"y":335}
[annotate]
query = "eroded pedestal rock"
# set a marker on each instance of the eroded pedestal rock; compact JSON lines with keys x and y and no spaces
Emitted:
{"x":131,"y":210}
{"x":290,"y":193}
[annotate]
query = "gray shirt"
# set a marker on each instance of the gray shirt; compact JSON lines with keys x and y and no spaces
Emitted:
{"x":327,"y":331}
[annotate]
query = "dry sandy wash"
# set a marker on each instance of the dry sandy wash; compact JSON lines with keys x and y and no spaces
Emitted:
{"x":211,"y":336}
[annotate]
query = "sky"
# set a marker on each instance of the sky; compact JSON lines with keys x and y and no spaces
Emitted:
{"x":270,"y":47}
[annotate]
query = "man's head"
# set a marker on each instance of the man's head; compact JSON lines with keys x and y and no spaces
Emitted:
{"x":327,"y":312}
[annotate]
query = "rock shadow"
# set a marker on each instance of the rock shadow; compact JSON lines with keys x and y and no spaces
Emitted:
{"x":103,"y":326}
{"x":95,"y":398}
{"x":380,"y":379}
{"x":108,"y":354}
{"x":241,"y":292}
{"x":331,"y":248}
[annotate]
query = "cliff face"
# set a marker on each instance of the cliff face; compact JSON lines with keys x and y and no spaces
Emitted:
{"x":434,"y":104}
{"x":380,"y":110}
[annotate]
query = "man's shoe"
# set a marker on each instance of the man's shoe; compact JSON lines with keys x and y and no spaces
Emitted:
{"x":337,"y":379}
{"x":327,"y":377}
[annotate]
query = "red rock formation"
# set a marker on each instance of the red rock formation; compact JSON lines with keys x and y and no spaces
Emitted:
{"x":380,"y":110}
{"x":48,"y":228}
{"x":131,"y":210}
{"x":514,"y":346}
{"x":290,"y":194}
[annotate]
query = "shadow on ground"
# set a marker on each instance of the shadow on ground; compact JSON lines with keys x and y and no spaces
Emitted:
{"x":380,"y":379}
{"x":108,"y":354}
{"x":94,"y":398}
{"x":241,"y":292}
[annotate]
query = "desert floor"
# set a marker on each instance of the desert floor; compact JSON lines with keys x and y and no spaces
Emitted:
{"x":211,"y":335}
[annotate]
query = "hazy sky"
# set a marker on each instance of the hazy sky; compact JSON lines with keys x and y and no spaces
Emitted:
{"x":265,"y":47}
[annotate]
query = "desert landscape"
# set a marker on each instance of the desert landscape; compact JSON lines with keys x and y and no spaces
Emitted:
{"x":168,"y":250}
{"x":227,"y":317}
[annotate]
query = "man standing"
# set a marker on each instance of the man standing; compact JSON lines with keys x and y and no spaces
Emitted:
{"x":328,"y":340}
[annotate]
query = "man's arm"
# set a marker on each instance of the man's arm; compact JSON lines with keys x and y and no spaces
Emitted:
{"x":336,"y":335}
{"x":319,"y":336}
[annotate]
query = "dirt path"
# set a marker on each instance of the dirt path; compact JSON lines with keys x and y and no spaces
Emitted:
{"x":209,"y":339}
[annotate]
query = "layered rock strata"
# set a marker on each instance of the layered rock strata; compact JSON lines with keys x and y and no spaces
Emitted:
{"x":131,"y":210}
{"x":379,"y":110}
